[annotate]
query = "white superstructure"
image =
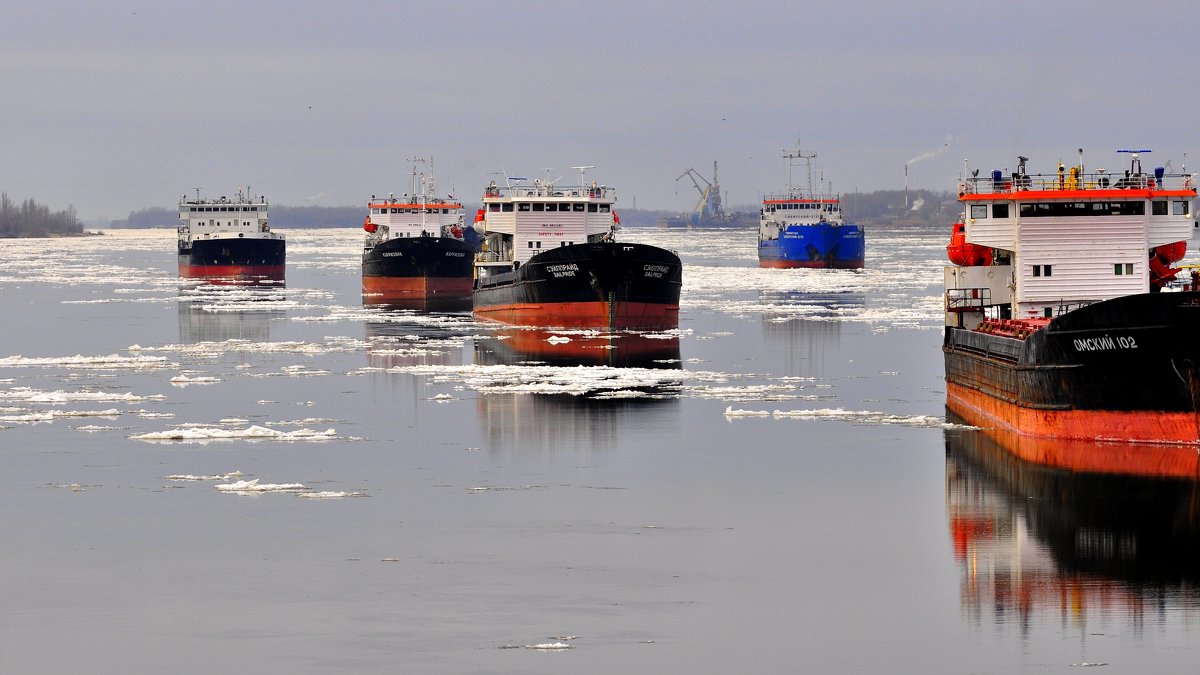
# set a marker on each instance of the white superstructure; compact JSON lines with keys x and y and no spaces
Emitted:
{"x":1057,"y":241}
{"x":418,"y":214}
{"x":239,"y":217}
{"x":526,"y":217}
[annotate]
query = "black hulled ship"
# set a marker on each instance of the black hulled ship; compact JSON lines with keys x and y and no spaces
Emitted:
{"x":1061,"y":316}
{"x":551,"y":258}
{"x":418,"y":251}
{"x":229,"y":239}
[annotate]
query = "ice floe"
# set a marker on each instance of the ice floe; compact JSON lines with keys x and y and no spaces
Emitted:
{"x":109,"y":362}
{"x":865,"y":417}
{"x":192,"y":477}
{"x":254,"y":432}
{"x":30,"y":395}
{"x":185,"y":380}
{"x":253,"y":486}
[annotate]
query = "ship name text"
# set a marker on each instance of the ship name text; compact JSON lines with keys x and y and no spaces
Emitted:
{"x":655,"y":271}
{"x":565,"y":270}
{"x":1106,"y":343}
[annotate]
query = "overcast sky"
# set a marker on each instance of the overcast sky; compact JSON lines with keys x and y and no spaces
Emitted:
{"x":115,"y":106}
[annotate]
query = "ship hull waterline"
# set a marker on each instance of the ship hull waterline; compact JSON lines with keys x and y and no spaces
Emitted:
{"x":822,"y":246}
{"x":405,"y":270}
{"x":1126,"y":369}
{"x":606,"y":285}
{"x":239,"y":260}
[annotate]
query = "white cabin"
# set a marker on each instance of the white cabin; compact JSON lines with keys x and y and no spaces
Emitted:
{"x":239,"y":217}
{"x":526,"y":218}
{"x":1059,"y":241}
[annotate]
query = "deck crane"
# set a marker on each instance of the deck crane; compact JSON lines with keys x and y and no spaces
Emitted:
{"x":709,"y":207}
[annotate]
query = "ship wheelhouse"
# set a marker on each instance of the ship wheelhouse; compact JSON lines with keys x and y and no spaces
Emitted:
{"x":526,"y":218}
{"x":1051,"y":243}
{"x":239,"y":217}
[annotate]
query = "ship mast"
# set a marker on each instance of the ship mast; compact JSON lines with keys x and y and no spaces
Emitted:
{"x":799,"y":154}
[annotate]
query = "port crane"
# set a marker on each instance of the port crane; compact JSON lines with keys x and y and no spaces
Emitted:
{"x":709,"y":207}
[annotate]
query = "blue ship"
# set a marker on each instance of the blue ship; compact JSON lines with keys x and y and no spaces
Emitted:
{"x":801,"y":228}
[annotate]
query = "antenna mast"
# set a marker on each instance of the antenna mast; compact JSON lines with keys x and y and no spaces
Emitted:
{"x":799,"y":154}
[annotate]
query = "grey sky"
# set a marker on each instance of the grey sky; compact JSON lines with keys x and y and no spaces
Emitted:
{"x":121,"y":105}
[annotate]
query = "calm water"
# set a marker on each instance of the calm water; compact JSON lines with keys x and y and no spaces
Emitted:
{"x":772,"y":489}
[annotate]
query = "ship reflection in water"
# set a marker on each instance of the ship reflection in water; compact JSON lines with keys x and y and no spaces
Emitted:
{"x":1073,"y":538}
{"x":421,"y":303}
{"x":575,"y":388}
{"x":406,"y":339}
{"x":219,"y":312}
{"x":808,"y":324}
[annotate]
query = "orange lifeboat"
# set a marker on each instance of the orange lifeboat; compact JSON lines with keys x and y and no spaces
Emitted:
{"x":479,"y":216}
{"x":966,"y":255}
{"x":369,"y":226}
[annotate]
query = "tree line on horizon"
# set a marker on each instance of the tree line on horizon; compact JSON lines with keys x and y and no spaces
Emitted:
{"x":924,"y":207}
{"x":31,"y":219}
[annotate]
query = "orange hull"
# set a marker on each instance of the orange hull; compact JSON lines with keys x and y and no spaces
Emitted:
{"x":236,"y":272}
{"x":596,"y":314}
{"x":1144,"y":443}
{"x":403,"y":288}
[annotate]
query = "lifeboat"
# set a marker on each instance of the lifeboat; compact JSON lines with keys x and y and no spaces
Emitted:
{"x":1161,"y":257}
{"x":369,"y":226}
{"x":966,"y":255}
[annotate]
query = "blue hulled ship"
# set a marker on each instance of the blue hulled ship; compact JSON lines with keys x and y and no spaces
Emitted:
{"x":801,"y":228}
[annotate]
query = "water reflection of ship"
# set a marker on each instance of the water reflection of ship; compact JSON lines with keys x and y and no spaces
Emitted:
{"x":809,"y":324}
{"x":587,"y":420}
{"x":1036,"y":538}
{"x":421,"y":303}
{"x":575,"y":348}
{"x":216,"y":316}
{"x":393,"y":342}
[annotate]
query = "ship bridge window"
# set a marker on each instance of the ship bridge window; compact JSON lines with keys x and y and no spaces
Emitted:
{"x":494,"y":207}
{"x":1093,"y":209}
{"x":523,"y":206}
{"x":1179,"y":208}
{"x":507,"y":208}
{"x":1000,"y":210}
{"x":576,"y":207}
{"x":1158,"y":207}
{"x":591,"y":208}
{"x":604,"y":208}
{"x":545,"y":207}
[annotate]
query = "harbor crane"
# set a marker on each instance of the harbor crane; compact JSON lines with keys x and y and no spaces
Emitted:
{"x":709,"y":206}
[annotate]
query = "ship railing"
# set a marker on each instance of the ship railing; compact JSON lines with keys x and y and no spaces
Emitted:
{"x":487,"y":257}
{"x":968,"y":299}
{"x":1088,"y":181}
{"x":828,"y":198}
{"x":1063,"y":306}
{"x":539,"y":190}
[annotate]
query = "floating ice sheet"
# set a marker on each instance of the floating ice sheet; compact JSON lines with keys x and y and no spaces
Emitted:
{"x":865,"y":417}
{"x":30,"y":395}
{"x":110,"y":362}
{"x":254,"y":432}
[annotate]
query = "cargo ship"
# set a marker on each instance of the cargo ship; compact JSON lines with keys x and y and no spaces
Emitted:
{"x":1063,"y":316}
{"x":229,"y":239}
{"x":804,"y":228}
{"x":550,"y":258}
{"x":418,"y":251}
